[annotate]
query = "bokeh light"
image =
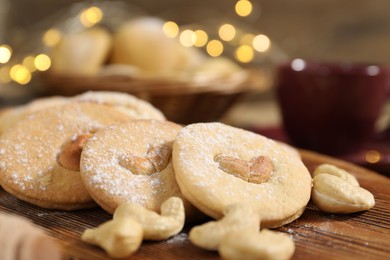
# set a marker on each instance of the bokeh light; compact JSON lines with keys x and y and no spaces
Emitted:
{"x":29,"y":63}
{"x":5,"y":53}
{"x":261,"y":43}
{"x":373,"y":156}
{"x":244,"y":53}
{"x":243,"y":7}
{"x":187,"y":38}
{"x":20,"y":74}
{"x":170,"y":29}
{"x":91,"y":16}
{"x":214,"y":48}
{"x":51,"y":37}
{"x":201,"y":38}
{"x":298,"y":64}
{"x":227,"y":32}
{"x":42,"y":62}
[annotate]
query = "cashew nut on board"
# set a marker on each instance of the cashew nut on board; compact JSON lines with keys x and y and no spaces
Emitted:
{"x":336,"y":171}
{"x":155,"y":226}
{"x":337,"y":191}
{"x":237,"y":217}
{"x":118,"y":237}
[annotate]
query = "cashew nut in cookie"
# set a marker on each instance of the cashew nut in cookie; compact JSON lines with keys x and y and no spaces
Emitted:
{"x":217,"y":165}
{"x":40,"y":163}
{"x":132,"y":162}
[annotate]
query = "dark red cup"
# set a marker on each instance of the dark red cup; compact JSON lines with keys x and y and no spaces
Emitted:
{"x":330,"y":107}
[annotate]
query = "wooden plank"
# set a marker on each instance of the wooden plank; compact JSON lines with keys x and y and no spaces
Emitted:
{"x":364,"y":235}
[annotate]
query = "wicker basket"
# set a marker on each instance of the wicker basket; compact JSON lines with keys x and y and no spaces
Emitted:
{"x":181,"y":100}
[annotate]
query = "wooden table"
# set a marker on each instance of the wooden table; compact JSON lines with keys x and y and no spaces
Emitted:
{"x":317,"y":235}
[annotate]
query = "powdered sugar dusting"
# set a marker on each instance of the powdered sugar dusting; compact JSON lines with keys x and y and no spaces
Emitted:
{"x":30,"y":150}
{"x":134,"y":107}
{"x":105,"y":174}
{"x":196,"y":147}
{"x":179,"y":238}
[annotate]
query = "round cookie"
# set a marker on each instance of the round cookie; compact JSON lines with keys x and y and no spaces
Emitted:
{"x":13,"y":114}
{"x":131,"y":105}
{"x":131,"y":162}
{"x":217,"y":165}
{"x":39,"y":156}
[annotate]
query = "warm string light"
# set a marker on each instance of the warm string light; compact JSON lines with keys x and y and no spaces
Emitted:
{"x":91,"y":16}
{"x":187,"y":38}
{"x":244,"y":53}
{"x":373,"y":156}
{"x":261,"y":43}
{"x":170,"y":29}
{"x":227,"y":32}
{"x":243,"y":8}
{"x":5,"y":53}
{"x":201,"y":38}
{"x":51,"y":37}
{"x":214,"y":48}
{"x":247,"y":44}
{"x":22,"y":73}
{"x":42,"y":62}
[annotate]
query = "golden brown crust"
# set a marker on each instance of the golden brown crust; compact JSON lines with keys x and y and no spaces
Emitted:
{"x":279,"y":200}
{"x":12,"y":115}
{"x":132,"y":106}
{"x":29,"y":153}
{"x":119,"y":164}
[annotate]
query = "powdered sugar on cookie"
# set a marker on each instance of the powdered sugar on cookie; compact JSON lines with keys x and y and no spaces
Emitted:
{"x":210,"y":188}
{"x":131,"y":162}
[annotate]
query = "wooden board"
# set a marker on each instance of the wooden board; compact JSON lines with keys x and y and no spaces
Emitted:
{"x":317,"y":235}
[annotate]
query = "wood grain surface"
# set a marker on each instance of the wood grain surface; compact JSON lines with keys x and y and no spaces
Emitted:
{"x":317,"y":235}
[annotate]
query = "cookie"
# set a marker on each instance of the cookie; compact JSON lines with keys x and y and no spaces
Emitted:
{"x":217,"y":165}
{"x":131,"y":162}
{"x":13,"y":114}
{"x":134,"y":107}
{"x":39,"y":156}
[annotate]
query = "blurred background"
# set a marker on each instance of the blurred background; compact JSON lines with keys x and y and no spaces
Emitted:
{"x":324,"y":29}
{"x":257,"y":35}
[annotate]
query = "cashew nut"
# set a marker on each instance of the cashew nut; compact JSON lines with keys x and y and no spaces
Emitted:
{"x":251,"y":244}
{"x":236,"y":217}
{"x":336,"y":171}
{"x":333,"y":194}
{"x":119,"y":237}
{"x":155,"y":226}
{"x":257,"y":170}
